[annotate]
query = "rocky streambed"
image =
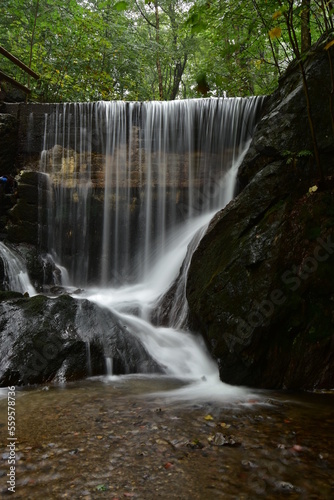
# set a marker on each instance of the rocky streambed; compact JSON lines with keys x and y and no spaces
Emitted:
{"x":118,"y":438}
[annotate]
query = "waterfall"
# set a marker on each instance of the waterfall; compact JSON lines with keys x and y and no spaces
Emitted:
{"x":133,"y":186}
{"x":15,"y":272}
{"x":125,"y":175}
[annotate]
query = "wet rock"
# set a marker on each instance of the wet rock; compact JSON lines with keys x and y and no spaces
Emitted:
{"x":220,"y":439}
{"x":25,"y":220}
{"x":44,"y":339}
{"x":260,"y":284}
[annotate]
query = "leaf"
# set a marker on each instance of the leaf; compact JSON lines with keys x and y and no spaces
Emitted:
{"x":328,"y":45}
{"x":304,"y":152}
{"x":277,"y":14}
{"x":122,"y":5}
{"x":102,"y":487}
{"x":208,"y":417}
{"x":275,"y":33}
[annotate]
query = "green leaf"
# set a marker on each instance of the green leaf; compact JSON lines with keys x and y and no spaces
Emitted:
{"x":102,"y":487}
{"x":122,"y":5}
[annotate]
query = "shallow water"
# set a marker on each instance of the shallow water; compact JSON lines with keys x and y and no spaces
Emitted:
{"x":140,"y":437}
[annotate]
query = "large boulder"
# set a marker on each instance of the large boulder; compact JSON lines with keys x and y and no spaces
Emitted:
{"x":45,"y":339}
{"x":260,"y":285}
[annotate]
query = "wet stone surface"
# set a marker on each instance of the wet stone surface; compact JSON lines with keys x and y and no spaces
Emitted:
{"x":106,"y":440}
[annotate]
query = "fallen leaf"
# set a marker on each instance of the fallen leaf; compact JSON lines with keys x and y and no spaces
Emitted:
{"x":313,"y":189}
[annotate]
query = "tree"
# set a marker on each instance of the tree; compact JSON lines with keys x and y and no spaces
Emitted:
{"x":236,"y":53}
{"x":158,"y":49}
{"x":305,"y":26}
{"x":291,"y":12}
{"x":173,"y":42}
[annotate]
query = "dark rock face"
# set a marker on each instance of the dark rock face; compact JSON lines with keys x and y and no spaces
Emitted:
{"x":46,"y":339}
{"x":8,"y":135}
{"x":260,"y":285}
{"x":23,"y":218}
{"x":8,"y":139}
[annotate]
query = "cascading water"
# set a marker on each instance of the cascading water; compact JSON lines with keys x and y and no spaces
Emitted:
{"x":133,"y":186}
{"x":15,"y":272}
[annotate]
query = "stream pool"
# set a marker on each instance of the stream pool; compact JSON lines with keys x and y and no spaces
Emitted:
{"x":134,"y":437}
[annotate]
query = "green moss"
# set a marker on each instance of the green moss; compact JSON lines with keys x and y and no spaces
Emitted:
{"x":10,"y":295}
{"x":34,"y":305}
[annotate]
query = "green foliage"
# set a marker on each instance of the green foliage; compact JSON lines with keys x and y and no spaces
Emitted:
{"x":121,"y":6}
{"x":112,"y":49}
{"x":102,"y":487}
{"x":292,"y":157}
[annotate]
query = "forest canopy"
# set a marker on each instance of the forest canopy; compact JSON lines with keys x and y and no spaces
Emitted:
{"x":90,"y":50}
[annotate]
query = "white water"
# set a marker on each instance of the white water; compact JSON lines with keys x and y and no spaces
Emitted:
{"x":181,"y":354}
{"x":167,"y":168}
{"x":122,"y":176}
{"x":15,"y":271}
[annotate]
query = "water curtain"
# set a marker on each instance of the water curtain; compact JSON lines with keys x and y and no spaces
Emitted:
{"x":125,"y":177}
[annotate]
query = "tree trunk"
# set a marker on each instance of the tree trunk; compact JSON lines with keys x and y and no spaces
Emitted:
{"x":32,"y":38}
{"x":305,"y":26}
{"x":157,"y":27}
{"x":178,"y":72}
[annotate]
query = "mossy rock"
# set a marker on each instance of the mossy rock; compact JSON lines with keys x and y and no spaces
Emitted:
{"x":8,"y":295}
